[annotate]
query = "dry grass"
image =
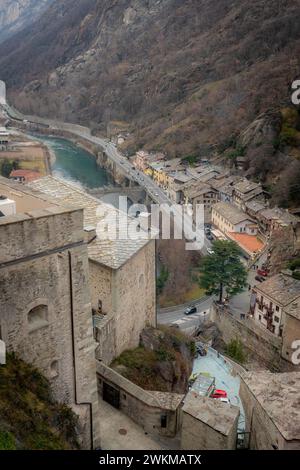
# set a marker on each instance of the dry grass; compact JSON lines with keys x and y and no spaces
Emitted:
{"x":29,"y":158}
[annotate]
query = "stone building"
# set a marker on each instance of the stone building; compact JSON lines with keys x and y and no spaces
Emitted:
{"x":276,"y":307}
{"x":208,"y":424}
{"x":121,"y":272}
{"x":201,"y":193}
{"x":45,"y":311}
{"x":272,"y":407}
{"x":245,"y":191}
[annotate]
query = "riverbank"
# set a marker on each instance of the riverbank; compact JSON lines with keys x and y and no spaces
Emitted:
{"x":73,"y":162}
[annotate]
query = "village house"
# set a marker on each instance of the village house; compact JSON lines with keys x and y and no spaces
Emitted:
{"x":275,"y":306}
{"x":203,"y":173}
{"x":4,"y":139}
{"x":24,"y":176}
{"x":245,"y":191}
{"x":271,"y":404}
{"x":275,"y":219}
{"x":238,"y":227}
{"x":229,"y":218}
{"x":143,"y":159}
{"x":254,"y":208}
{"x":201,"y":193}
{"x":224,"y":186}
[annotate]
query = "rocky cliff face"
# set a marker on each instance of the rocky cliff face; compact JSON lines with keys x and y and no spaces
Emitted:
{"x":163,"y":362}
{"x":183,"y":76}
{"x":15,"y":14}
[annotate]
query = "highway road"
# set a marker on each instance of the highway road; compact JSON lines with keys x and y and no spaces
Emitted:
{"x":169,"y":316}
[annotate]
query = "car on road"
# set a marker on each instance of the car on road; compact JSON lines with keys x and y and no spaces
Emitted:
{"x":210,"y":251}
{"x":190,"y":310}
{"x":218,"y":393}
{"x":209,"y":237}
{"x":260,"y":278}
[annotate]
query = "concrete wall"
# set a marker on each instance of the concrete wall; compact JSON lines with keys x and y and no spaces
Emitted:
{"x":45,"y":313}
{"x":140,"y":405}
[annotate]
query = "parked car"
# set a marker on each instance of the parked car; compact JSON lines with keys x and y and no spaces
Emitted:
{"x":207,"y":230}
{"x":190,"y":310}
{"x":260,"y":278}
{"x":217,"y":393}
{"x":210,"y":251}
{"x":201,"y":350}
{"x":262,"y":272}
{"x":224,"y":400}
{"x":209,"y":237}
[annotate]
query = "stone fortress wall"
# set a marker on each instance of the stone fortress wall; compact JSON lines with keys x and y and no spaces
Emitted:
{"x":45,"y":312}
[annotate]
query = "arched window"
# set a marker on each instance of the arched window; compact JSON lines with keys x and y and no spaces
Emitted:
{"x":38,"y":317}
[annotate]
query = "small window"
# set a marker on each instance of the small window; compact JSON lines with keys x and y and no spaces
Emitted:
{"x":163,"y":421}
{"x":38,"y":317}
{"x":259,"y":317}
{"x":276,"y":319}
{"x":141,"y":280}
{"x":277,"y":308}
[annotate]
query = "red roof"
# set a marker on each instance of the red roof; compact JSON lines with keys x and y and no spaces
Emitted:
{"x":28,"y":175}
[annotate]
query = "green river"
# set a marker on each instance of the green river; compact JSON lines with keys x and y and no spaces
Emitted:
{"x":74,"y":163}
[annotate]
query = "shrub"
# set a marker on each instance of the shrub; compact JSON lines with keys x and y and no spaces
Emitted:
{"x":235,"y":350}
{"x":7,"y":441}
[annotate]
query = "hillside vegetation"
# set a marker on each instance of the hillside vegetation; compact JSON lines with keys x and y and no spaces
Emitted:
{"x":29,"y":417}
{"x":184,"y":75}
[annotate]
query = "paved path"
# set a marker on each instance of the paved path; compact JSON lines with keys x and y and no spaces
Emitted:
{"x":118,"y":432}
{"x":240,"y":304}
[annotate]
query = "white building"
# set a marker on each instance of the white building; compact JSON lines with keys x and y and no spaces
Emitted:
{"x":228,"y":218}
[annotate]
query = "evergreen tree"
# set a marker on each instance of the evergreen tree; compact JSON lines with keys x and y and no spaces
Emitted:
{"x":223,"y":270}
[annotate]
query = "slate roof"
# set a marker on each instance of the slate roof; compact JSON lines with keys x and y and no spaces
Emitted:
{"x":279,"y":396}
{"x":282,"y":288}
{"x":217,"y":415}
{"x":231,"y":213}
{"x":111,"y":253}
